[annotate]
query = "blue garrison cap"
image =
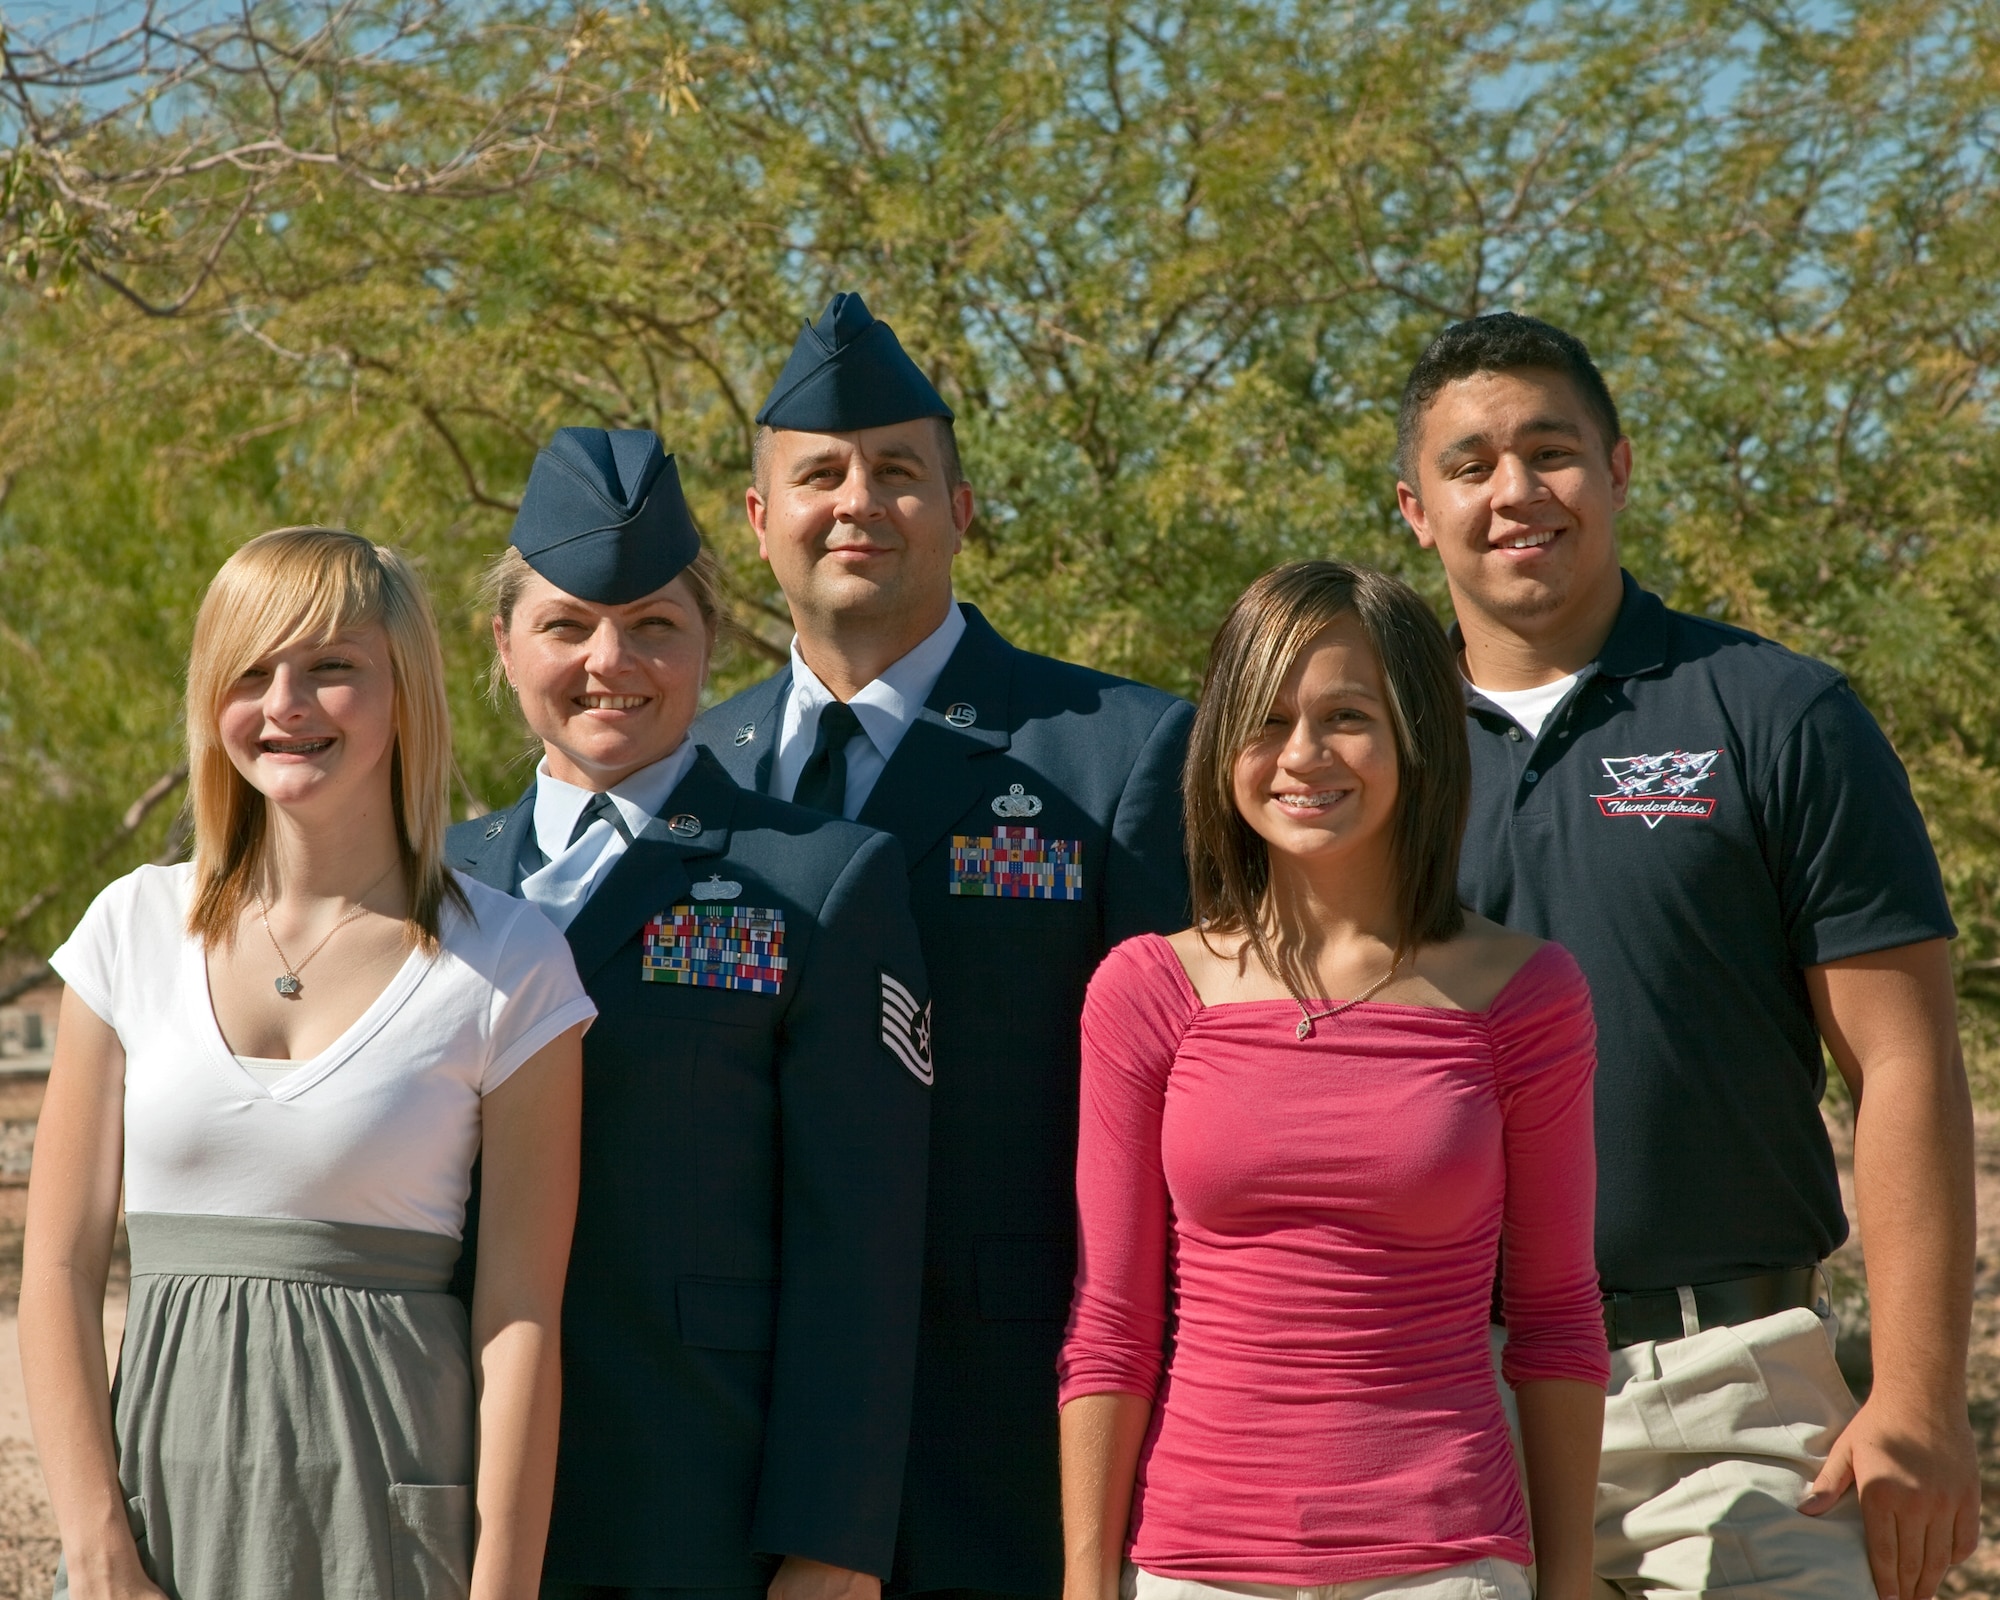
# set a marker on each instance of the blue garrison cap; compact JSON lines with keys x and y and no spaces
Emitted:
{"x":604,"y":518}
{"x":848,"y":371}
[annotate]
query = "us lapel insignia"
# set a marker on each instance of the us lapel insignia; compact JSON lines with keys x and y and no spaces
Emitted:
{"x":1016,"y":864}
{"x":684,"y":825}
{"x":1016,"y":804}
{"x":906,"y":1029}
{"x":716,"y":947}
{"x":746,"y":733}
{"x":493,"y":828}
{"x":961,"y":715}
{"x":715,"y":887}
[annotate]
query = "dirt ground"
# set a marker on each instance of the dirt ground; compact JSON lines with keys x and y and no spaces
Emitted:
{"x":28,"y":1535}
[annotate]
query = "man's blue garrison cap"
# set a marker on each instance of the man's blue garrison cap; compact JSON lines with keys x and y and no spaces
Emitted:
{"x":846,"y":372}
{"x":604,"y":518}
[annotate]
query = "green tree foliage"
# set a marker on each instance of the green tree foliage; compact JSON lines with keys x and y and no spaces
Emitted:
{"x":1169,"y":261}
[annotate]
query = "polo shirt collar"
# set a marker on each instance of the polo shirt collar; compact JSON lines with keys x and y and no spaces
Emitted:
{"x":1637,"y":643}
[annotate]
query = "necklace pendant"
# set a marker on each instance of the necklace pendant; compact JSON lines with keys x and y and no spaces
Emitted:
{"x":1304,"y":1029}
{"x":288,"y":985}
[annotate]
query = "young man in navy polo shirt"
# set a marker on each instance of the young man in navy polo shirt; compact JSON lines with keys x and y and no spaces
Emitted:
{"x":1722,"y":837}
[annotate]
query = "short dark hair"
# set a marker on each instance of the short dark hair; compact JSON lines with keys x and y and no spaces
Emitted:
{"x":954,"y":470}
{"x":1229,"y":865}
{"x":1500,"y":341}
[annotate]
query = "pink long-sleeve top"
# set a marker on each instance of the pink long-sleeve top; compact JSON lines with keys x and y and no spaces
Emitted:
{"x":1323,"y":1219}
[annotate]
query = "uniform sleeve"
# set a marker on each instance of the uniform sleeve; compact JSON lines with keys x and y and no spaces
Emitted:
{"x":1850,"y":854}
{"x":1545,"y":1055}
{"x":1133,"y":1017}
{"x":536,"y":995}
{"x":853,"y":1070}
{"x":87,"y":961}
{"x":1145,"y":883}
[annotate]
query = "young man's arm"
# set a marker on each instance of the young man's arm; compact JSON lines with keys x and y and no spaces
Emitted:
{"x":1890,"y":1020}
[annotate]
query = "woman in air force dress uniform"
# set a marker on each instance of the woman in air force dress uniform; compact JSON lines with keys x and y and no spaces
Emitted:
{"x":740,"y":1322}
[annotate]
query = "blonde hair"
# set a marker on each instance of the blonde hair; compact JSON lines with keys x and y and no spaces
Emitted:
{"x":507,"y":574}
{"x":313,"y":583}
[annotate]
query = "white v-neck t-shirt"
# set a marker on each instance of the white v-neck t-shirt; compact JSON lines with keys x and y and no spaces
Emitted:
{"x":381,"y":1127}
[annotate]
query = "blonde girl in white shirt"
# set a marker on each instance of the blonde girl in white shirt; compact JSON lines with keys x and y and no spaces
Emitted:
{"x":289,"y":1052}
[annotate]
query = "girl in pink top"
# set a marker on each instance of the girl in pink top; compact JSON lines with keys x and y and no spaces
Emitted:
{"x":1277,"y":1371}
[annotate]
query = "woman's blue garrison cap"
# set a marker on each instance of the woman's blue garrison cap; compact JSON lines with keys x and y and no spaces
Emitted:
{"x":847,"y":372}
{"x":604,"y":518}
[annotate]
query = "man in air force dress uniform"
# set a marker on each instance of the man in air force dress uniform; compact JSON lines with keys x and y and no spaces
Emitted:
{"x":740,"y":1323}
{"x":1038,"y":806}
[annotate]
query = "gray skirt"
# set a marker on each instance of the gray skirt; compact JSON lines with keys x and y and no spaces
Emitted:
{"x":294,"y":1411}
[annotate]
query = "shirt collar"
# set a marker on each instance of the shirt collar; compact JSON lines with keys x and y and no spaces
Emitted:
{"x":887,"y":706}
{"x":638,"y":798}
{"x":1636,"y":644}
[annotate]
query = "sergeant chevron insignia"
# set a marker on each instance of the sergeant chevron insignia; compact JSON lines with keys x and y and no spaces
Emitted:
{"x":906,"y":1029}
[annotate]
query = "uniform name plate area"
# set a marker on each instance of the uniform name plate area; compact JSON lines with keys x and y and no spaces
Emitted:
{"x":1016,"y":864}
{"x":716,"y":947}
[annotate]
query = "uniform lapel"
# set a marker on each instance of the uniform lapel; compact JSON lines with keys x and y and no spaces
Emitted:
{"x":933,"y":778}
{"x":653,"y":872}
{"x":756,"y":721}
{"x":492,"y":855}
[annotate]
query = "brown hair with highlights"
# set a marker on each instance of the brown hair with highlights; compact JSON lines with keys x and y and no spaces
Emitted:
{"x":1276,"y":618}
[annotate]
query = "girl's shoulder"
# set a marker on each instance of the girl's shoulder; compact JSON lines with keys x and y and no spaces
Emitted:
{"x":150,"y":897}
{"x":496,"y":930}
{"x":1475,"y":970}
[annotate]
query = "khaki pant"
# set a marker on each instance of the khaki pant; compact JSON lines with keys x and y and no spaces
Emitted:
{"x":1485,"y":1579}
{"x":1710,"y":1442}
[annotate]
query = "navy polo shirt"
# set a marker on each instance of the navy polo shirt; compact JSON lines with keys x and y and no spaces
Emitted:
{"x":1704,"y":816}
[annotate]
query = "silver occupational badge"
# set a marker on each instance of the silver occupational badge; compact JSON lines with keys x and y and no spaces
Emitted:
{"x":961,"y":715}
{"x":493,"y":828}
{"x":716,"y":887}
{"x":746,"y":733}
{"x":684,"y":825}
{"x":1016,"y":804}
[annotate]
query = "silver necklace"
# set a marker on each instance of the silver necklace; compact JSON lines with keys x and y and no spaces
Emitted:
{"x":287,"y":983}
{"x":1308,"y":1018}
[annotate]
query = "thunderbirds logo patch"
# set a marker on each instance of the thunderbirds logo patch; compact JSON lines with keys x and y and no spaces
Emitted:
{"x":1653,"y":788}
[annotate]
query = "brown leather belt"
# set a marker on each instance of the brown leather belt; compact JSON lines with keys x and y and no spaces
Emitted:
{"x":1675,"y":1313}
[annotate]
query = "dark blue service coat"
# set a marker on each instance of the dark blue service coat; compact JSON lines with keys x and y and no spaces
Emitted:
{"x":1091,"y":763}
{"x":740,"y":1323}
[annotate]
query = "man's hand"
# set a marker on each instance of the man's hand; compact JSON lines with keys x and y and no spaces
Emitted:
{"x":799,"y":1578}
{"x":1918,"y":1479}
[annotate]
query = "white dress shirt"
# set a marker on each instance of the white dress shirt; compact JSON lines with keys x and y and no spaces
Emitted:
{"x":884,"y":708}
{"x":575,"y":870}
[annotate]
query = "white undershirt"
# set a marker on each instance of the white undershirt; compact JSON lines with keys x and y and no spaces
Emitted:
{"x":885,"y":709}
{"x":267,"y":1070}
{"x":1531,"y":707}
{"x":380,"y":1127}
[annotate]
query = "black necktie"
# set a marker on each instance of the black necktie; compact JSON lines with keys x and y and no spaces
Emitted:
{"x":823,"y":785}
{"x":601,"y":805}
